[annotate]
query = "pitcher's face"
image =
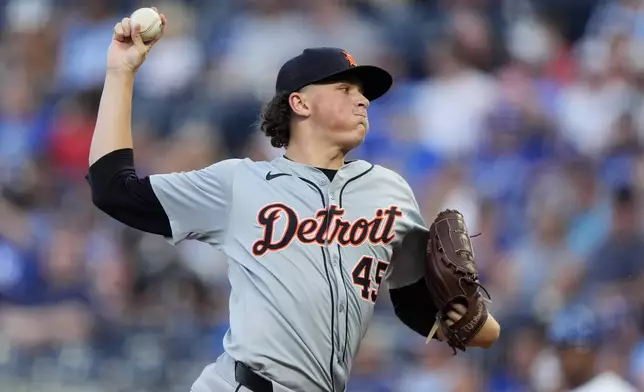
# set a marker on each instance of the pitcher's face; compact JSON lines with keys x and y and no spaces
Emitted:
{"x":340,"y":109}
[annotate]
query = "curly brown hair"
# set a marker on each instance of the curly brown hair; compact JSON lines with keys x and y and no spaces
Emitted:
{"x":275,"y":120}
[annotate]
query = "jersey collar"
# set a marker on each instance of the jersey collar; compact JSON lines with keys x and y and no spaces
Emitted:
{"x":349,"y":169}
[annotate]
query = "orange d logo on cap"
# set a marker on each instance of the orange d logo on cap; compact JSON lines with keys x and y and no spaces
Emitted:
{"x":350,"y":59}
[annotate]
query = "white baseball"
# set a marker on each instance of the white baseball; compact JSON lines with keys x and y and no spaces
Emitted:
{"x":150,"y":22}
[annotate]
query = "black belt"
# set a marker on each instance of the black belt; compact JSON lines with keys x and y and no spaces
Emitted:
{"x":251,"y":380}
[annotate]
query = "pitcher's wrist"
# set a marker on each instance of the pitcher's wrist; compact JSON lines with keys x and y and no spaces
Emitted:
{"x":120,"y":73}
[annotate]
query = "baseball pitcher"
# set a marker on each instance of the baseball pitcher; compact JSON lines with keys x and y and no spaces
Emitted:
{"x":310,"y":237}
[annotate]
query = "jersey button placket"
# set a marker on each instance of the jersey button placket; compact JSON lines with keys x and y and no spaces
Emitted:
{"x":334,"y":251}
{"x":334,"y":191}
{"x":342,"y":299}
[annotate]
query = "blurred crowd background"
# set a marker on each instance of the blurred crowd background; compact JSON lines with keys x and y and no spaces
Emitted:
{"x":527,"y":115}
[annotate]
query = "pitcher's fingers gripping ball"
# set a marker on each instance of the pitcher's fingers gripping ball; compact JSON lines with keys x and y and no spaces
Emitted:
{"x":150,"y":23}
{"x":135,"y":36}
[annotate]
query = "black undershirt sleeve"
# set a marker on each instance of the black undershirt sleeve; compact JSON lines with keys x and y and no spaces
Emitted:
{"x":414,"y":307}
{"x":121,"y":194}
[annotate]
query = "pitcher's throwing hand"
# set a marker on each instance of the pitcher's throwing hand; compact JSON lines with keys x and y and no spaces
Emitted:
{"x":128,"y":51}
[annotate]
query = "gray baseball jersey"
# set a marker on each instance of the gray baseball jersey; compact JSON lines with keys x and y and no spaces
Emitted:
{"x":306,"y":257}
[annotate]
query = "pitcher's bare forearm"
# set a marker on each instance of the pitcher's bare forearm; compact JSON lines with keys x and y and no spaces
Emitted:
{"x":113,"y":129}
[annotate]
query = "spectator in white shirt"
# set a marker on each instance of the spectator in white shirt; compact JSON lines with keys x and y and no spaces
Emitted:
{"x":578,"y":336}
{"x":451,"y":107}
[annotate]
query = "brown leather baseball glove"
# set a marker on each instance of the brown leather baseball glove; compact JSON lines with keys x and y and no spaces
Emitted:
{"x":452,"y":278}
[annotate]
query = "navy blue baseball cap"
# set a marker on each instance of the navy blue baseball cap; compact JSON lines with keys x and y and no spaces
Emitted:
{"x":325,"y":64}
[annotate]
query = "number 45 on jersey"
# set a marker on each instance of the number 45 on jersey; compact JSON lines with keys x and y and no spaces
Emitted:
{"x":361,"y":276}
